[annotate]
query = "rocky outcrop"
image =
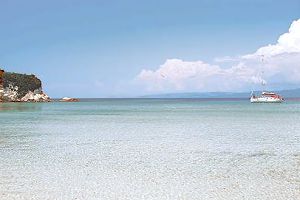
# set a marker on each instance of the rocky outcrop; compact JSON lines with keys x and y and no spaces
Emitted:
{"x":68,"y":99}
{"x":21,"y":88}
{"x":10,"y":93}
{"x":35,"y":97}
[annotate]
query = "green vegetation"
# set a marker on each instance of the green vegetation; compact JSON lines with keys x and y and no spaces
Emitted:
{"x":24,"y":82}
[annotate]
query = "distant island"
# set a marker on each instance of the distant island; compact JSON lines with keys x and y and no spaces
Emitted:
{"x":15,"y":87}
{"x":292,"y":93}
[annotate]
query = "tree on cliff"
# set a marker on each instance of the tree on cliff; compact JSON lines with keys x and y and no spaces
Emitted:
{"x":24,"y":82}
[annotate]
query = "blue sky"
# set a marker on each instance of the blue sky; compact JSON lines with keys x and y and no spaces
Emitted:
{"x":99,"y":48}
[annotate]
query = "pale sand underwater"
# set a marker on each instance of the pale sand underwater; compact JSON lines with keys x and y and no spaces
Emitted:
{"x":150,"y":149}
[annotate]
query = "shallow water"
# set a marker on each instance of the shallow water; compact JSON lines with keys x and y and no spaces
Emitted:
{"x":150,"y":149}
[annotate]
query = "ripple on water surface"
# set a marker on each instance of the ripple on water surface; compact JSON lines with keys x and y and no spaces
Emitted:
{"x":150,"y":149}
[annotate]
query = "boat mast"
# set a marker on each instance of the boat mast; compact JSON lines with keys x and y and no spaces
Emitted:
{"x":263,"y":82}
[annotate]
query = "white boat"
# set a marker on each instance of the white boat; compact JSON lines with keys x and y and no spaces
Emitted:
{"x":266,"y":97}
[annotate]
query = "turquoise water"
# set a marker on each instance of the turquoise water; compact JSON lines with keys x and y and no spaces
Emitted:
{"x":150,"y":149}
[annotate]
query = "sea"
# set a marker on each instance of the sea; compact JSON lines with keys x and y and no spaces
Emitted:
{"x":154,"y":149}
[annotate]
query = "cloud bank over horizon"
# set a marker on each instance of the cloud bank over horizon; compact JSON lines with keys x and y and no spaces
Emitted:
{"x":276,"y":64}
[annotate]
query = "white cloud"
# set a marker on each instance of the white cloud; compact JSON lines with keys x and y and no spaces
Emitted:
{"x":226,"y":59}
{"x":287,"y":43}
{"x":178,"y":75}
{"x":281,"y":64}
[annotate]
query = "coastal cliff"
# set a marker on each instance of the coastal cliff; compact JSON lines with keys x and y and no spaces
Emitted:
{"x":15,"y":87}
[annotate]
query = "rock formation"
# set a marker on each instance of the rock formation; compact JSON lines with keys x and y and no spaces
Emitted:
{"x":16,"y":87}
{"x":68,"y":99}
{"x":35,"y":96}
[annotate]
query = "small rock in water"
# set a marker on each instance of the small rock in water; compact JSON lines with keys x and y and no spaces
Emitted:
{"x":68,"y":99}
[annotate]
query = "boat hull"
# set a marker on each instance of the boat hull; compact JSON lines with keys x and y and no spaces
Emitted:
{"x":266,"y":100}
